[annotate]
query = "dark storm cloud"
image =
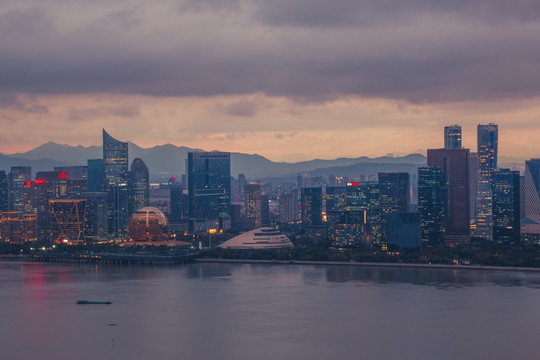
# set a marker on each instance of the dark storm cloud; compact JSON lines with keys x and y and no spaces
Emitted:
{"x":311,"y":50}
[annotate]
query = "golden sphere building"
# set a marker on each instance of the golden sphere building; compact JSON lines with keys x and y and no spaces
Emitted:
{"x":148,"y":224}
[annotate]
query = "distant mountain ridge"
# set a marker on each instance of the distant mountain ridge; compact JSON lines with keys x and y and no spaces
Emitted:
{"x":168,"y":160}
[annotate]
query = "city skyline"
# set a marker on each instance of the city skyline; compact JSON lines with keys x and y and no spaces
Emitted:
{"x":188,"y":73}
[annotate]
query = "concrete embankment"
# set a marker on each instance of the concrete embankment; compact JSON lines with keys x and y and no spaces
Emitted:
{"x":370,"y":264}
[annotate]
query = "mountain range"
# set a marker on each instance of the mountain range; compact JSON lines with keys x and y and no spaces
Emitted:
{"x":168,"y":160}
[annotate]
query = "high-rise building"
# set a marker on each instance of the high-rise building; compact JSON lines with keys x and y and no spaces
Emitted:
{"x":311,"y":206}
{"x":487,"y":164}
{"x":36,"y":201}
{"x":4,"y":191}
{"x":531,"y":188}
{"x":455,"y":164}
{"x":177,"y":205}
{"x":96,"y":175}
{"x":209,"y":189}
{"x":265,"y":210}
{"x":115,"y":160}
{"x":404,"y":230}
{"x":16,"y":228}
{"x":253,"y":213}
{"x":18,"y":177}
{"x":289,"y":207}
{"x":394,"y":194}
{"x":139,"y":186}
{"x":473,"y":180}
{"x":334,"y":198}
{"x":347,"y":228}
{"x":506,"y":206}
{"x":74,"y":172}
{"x":115,"y":166}
{"x":452,"y":137}
{"x":117,"y":210}
{"x":431,"y":204}
{"x":95,"y":225}
{"x":67,"y":217}
{"x":365,"y":196}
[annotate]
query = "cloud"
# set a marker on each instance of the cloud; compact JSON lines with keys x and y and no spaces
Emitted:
{"x":419,"y":51}
{"x":96,"y":113}
{"x":246,"y":107}
{"x":21,"y":103}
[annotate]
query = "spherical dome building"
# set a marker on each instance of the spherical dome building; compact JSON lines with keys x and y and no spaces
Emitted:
{"x":147,"y":225}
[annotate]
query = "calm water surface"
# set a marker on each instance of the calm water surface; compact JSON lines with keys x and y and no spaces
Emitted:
{"x":243,"y":311}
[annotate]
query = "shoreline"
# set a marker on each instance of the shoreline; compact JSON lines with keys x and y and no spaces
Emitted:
{"x":10,"y":258}
{"x":369,"y":264}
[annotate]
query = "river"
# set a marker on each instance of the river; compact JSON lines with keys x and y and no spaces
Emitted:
{"x":264,"y":311}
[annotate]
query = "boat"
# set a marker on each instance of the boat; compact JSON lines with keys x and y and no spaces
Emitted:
{"x":87,"y":302}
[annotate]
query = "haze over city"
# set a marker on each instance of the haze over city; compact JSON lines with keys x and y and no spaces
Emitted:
{"x":269,"y":77}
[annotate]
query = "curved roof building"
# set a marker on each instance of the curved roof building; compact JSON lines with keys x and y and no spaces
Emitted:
{"x":139,"y":186}
{"x":148,"y":224}
{"x":262,"y":238}
{"x":115,"y":159}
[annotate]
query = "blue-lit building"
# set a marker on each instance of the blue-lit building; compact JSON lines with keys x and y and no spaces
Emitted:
{"x":4,"y":191}
{"x":394,"y":197}
{"x":209,"y":189}
{"x":96,"y":175}
{"x":404,"y":230}
{"x":431,"y":204}
{"x":506,"y":206}
{"x":139,"y":186}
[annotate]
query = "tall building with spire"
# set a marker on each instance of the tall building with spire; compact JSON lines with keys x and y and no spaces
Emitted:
{"x":488,"y":138}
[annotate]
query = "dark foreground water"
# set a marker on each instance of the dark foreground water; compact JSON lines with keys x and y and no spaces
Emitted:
{"x":242,"y":311}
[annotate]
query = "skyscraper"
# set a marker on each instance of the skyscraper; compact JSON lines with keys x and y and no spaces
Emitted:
{"x":96,"y":175}
{"x":455,"y":164}
{"x":311,"y":206}
{"x":18,"y":177}
{"x":115,"y":167}
{"x":531,"y":188}
{"x":253,"y":205}
{"x":431,"y":204}
{"x":394,"y":194}
{"x":487,"y":164}
{"x":452,"y":137}
{"x":347,"y":228}
{"x":4,"y":191}
{"x":506,"y":206}
{"x":115,"y":160}
{"x":139,"y":186}
{"x":209,"y":189}
{"x":365,"y":196}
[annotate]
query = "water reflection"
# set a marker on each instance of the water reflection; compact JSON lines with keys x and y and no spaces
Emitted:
{"x":440,"y":278}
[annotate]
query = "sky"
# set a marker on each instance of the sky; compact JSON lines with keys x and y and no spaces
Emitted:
{"x":288,"y":79}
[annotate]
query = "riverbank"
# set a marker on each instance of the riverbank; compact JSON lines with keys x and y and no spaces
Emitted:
{"x":369,"y":264}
